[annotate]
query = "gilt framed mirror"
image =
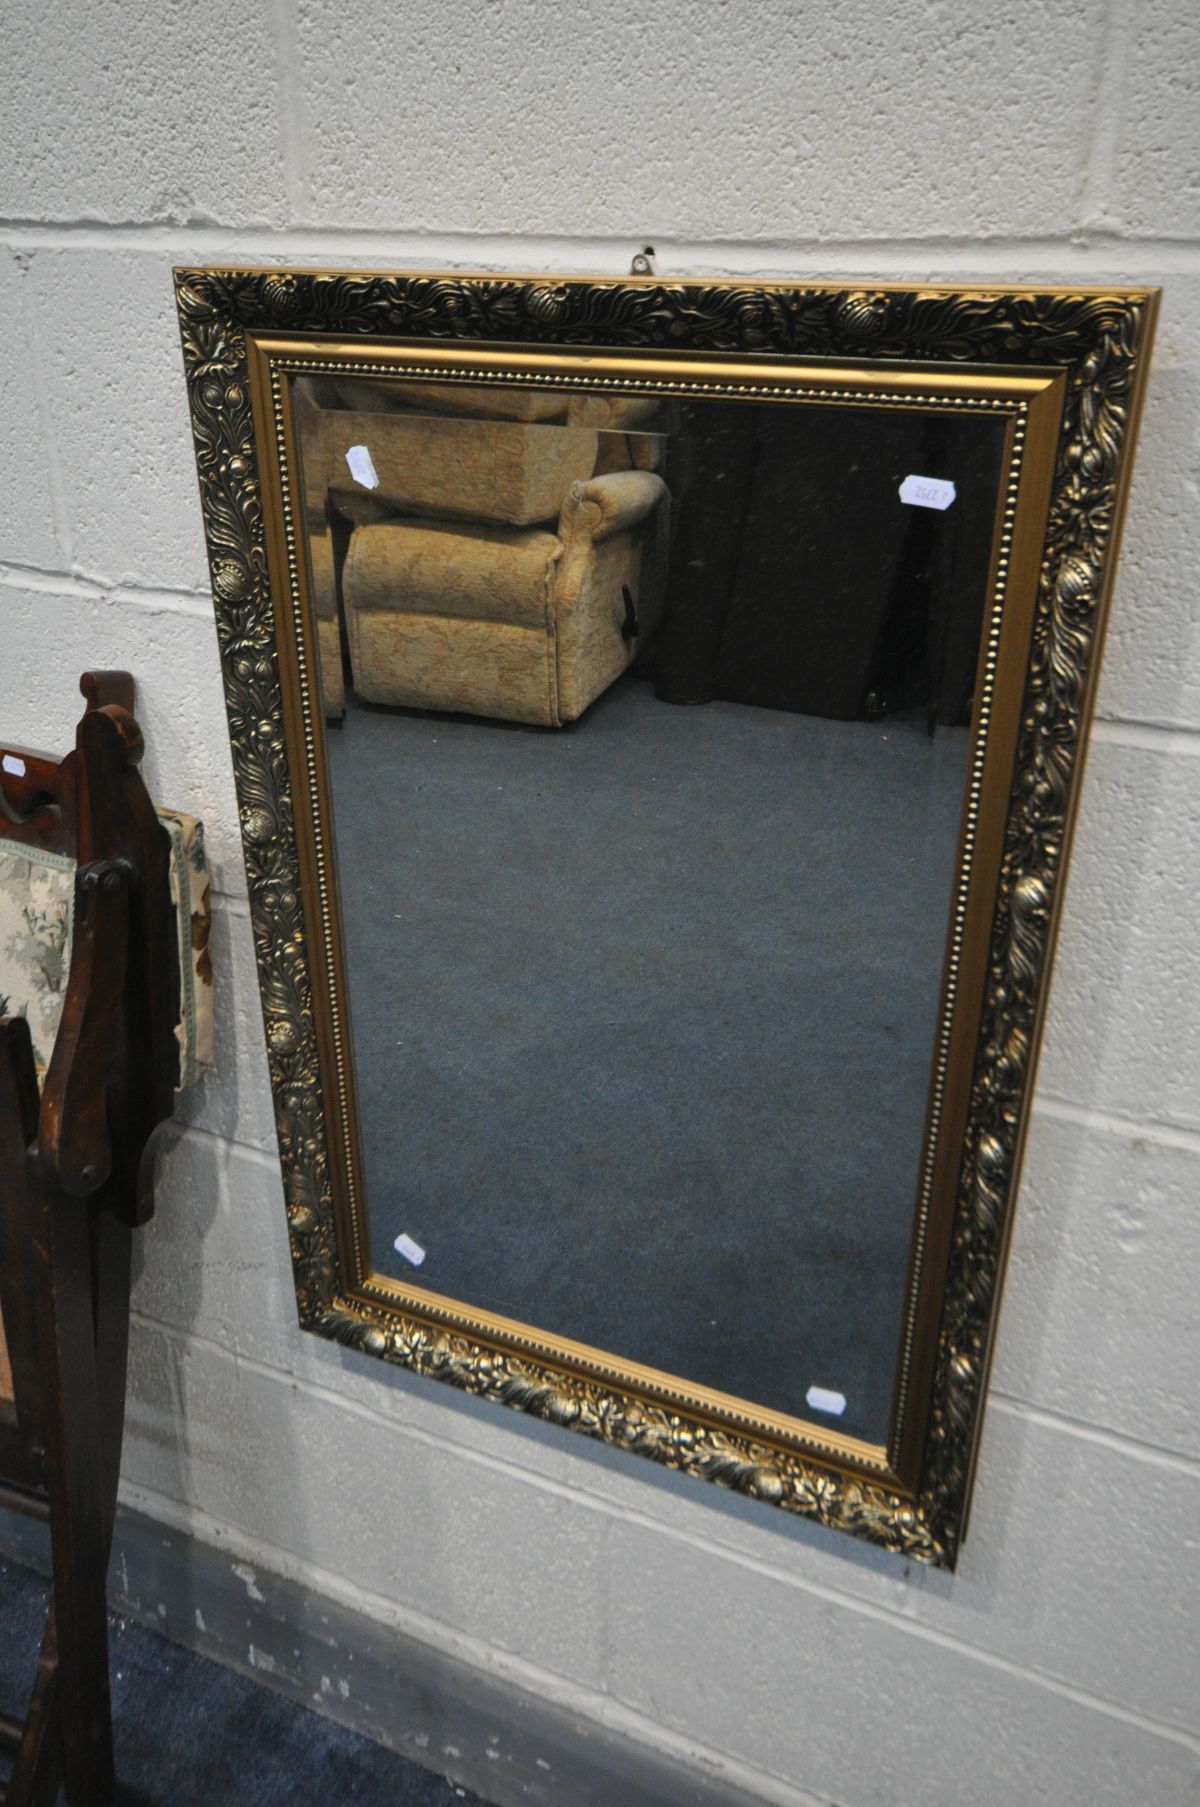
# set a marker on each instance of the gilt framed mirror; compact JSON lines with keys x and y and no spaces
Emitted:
{"x":657,"y":711}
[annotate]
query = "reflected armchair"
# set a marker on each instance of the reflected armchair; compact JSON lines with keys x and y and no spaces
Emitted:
{"x":523,"y":623}
{"x":457,"y":590}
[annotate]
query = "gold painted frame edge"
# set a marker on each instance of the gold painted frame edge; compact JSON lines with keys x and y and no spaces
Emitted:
{"x":1100,"y":340}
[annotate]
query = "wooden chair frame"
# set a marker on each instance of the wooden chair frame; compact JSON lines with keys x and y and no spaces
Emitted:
{"x":74,"y":1183}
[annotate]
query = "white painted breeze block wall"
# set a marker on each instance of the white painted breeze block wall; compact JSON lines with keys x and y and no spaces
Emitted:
{"x":919,"y":141}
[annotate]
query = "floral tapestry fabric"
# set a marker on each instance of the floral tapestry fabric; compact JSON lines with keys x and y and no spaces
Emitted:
{"x":191,"y":896}
{"x":37,"y":891}
{"x":36,"y":895}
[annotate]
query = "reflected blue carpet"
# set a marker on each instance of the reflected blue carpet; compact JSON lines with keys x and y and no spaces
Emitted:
{"x":190,"y":1733}
{"x":643,"y":1017}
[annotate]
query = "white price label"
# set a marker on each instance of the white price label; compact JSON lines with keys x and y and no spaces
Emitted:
{"x":362,"y":466}
{"x":821,"y":1399}
{"x":927,"y":492}
{"x":14,"y":765}
{"x":412,"y":1251}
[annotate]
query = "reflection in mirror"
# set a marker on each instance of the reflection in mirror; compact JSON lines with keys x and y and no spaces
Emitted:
{"x":8,"y":1412}
{"x":647,"y":748}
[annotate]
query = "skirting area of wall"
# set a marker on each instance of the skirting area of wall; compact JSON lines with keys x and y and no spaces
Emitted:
{"x":509,"y":1744}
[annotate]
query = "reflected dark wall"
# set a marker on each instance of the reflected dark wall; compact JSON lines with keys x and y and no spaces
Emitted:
{"x":800,"y":581}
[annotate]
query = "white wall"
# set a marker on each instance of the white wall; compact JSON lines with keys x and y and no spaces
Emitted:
{"x":918,"y":140}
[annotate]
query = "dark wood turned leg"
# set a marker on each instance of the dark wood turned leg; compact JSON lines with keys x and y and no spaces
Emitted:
{"x":80,"y":1512}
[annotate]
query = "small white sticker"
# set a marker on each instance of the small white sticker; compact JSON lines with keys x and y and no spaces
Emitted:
{"x":927,"y":492}
{"x":362,"y":467}
{"x":822,"y":1400}
{"x":412,"y":1251}
{"x":14,"y":765}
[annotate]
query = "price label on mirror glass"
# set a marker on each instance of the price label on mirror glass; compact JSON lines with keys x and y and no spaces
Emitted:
{"x":927,"y":492}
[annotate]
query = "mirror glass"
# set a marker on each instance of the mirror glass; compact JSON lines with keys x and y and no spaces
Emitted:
{"x":646,"y":731}
{"x":8,"y":1415}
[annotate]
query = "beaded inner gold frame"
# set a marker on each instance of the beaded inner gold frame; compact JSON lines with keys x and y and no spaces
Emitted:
{"x":1065,"y":371}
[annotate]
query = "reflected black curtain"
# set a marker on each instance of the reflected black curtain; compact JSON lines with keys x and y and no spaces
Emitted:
{"x":800,"y":581}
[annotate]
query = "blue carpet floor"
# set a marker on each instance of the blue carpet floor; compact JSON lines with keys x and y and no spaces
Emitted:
{"x":643,"y":1018}
{"x":189,"y":1733}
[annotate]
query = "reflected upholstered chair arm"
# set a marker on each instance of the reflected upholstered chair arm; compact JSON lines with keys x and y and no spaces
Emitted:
{"x":602,"y":506}
{"x":607,"y":593}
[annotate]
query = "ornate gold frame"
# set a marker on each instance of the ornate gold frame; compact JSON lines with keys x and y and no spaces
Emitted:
{"x":1065,"y":370}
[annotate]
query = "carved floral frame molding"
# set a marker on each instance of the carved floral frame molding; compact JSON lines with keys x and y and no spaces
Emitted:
{"x":1100,"y":340}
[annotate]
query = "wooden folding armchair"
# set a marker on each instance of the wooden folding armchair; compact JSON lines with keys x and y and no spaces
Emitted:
{"x":72,"y":1171}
